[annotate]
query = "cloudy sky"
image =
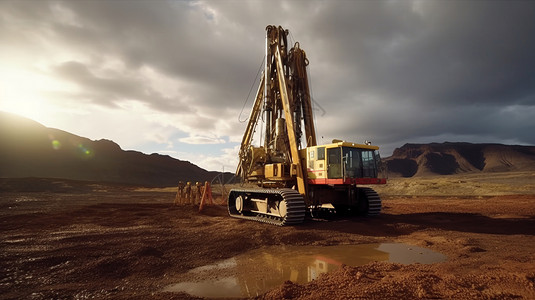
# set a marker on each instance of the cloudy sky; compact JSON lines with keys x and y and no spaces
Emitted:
{"x":171,"y":77}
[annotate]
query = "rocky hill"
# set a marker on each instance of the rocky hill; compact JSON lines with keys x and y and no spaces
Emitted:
{"x":29,"y":149}
{"x":454,"y":158}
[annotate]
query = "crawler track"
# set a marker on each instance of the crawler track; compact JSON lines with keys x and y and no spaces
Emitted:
{"x":290,"y":199}
{"x":374,"y":202}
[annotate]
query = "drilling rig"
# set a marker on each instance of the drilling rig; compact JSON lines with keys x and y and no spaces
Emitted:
{"x":294,"y":180}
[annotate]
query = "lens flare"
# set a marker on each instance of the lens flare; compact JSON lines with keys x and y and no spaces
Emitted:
{"x":85,"y":151}
{"x":56,"y":145}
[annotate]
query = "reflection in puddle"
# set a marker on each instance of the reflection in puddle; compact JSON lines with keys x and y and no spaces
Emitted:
{"x":255,"y":272}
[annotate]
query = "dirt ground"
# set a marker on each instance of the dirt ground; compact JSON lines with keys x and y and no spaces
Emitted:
{"x":71,"y":240}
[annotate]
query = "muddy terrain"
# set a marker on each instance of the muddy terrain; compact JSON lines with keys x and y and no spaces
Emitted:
{"x":74,"y":240}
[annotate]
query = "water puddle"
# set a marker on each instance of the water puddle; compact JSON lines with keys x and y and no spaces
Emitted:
{"x":255,"y":272}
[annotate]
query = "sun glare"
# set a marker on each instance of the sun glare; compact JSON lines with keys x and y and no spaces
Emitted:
{"x":21,"y":93}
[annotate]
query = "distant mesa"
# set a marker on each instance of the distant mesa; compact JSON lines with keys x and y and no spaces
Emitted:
{"x":29,"y":149}
{"x":456,"y":158}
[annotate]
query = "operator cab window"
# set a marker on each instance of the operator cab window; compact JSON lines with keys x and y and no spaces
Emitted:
{"x":369,"y":169}
{"x":352,"y":162}
{"x":321,"y":153}
{"x":334,"y":166}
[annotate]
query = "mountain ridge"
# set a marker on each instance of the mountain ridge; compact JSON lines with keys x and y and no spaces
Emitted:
{"x":30,"y":149}
{"x":450,"y":158}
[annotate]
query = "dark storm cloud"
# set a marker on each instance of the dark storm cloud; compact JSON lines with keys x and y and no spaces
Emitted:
{"x":467,"y":52}
{"x":432,"y":51}
{"x":176,"y":38}
{"x":389,"y":71}
{"x":409,"y":70}
{"x":109,"y":91}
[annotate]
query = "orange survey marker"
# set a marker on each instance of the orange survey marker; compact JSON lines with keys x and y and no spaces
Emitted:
{"x":206,"y":196}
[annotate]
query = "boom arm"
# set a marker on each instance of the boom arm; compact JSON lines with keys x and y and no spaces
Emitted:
{"x":290,"y":125}
{"x":248,"y":136}
{"x":286,"y":108}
